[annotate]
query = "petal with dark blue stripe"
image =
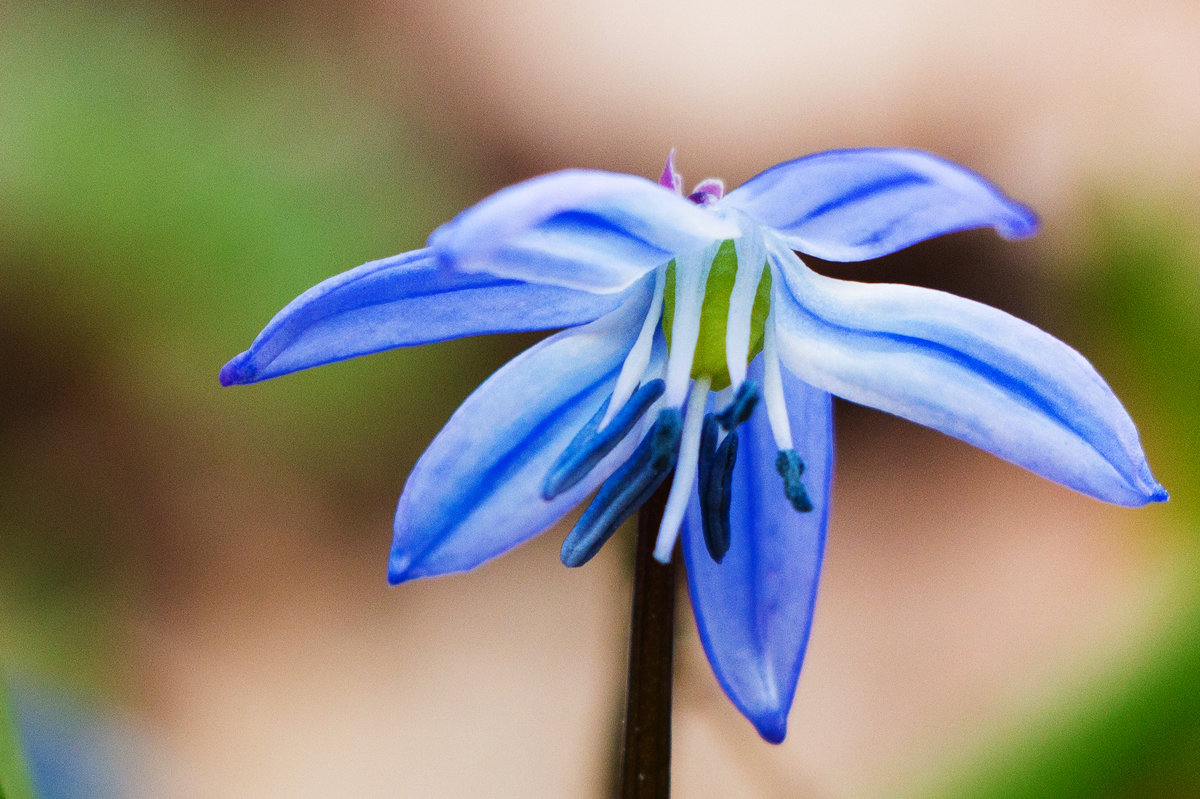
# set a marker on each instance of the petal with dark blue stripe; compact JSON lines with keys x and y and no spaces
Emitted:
{"x":580,"y":229}
{"x":968,"y":370}
{"x":402,"y":301}
{"x":476,"y":491}
{"x":853,"y":205}
{"x":754,"y":608}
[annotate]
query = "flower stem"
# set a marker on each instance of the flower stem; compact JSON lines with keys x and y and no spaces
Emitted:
{"x":646,"y":758}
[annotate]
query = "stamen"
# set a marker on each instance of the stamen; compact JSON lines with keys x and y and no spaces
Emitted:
{"x":691,"y":275}
{"x":634,"y":368}
{"x":626,"y":490}
{"x":741,"y":407}
{"x":752,"y":259}
{"x":709,"y":434}
{"x":593,"y":442}
{"x":781,"y":427}
{"x":790,"y":467}
{"x":715,"y":495}
{"x":685,"y":471}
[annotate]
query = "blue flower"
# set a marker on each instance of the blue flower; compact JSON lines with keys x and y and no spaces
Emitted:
{"x":698,"y":344}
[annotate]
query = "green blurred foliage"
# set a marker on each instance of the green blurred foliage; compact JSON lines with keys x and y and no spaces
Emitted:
{"x":1135,"y":733}
{"x":171,"y":185}
{"x":1139,"y":302}
{"x":167,"y":183}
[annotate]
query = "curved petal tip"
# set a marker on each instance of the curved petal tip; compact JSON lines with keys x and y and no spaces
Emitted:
{"x":238,"y":371}
{"x":1147,"y":490}
{"x":856,"y":205}
{"x":771,"y":725}
{"x":398,"y":566}
{"x":1022,"y":224}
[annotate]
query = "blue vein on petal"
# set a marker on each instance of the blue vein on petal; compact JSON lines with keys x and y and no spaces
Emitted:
{"x":497,"y":474}
{"x":494,"y":283}
{"x":857,"y":193}
{"x":275,"y":341}
{"x":879,"y":234}
{"x":590,"y":446}
{"x":586,"y":222}
{"x":629,"y":487}
{"x":999,"y":378}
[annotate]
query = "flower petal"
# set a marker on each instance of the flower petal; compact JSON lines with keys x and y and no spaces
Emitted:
{"x":476,"y":491}
{"x":400,"y":301}
{"x":581,"y":229}
{"x":754,"y":609}
{"x":853,"y":205}
{"x":965,"y":369}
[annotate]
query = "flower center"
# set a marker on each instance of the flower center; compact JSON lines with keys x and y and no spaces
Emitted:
{"x":713,"y":308}
{"x":710,"y":359}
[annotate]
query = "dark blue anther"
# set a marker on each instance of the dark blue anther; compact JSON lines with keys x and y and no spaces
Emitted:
{"x":742,"y":406}
{"x":715,"y":494}
{"x":790,"y":467}
{"x":589,"y":446}
{"x":664,"y":437}
{"x":708,"y":448}
{"x":626,"y":490}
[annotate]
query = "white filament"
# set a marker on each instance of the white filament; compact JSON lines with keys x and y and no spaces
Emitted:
{"x":691,"y":276}
{"x":781,"y":427}
{"x":634,"y":368}
{"x":685,"y":471}
{"x":751,"y":258}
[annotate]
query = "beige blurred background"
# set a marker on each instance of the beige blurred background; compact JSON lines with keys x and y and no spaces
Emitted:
{"x":200,"y":572}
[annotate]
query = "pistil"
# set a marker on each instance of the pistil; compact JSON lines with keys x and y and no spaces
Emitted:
{"x":718,"y":345}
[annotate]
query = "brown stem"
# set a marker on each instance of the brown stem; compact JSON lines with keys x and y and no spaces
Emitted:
{"x":646,"y":758}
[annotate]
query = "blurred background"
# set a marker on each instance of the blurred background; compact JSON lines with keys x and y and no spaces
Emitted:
{"x":192,"y":579}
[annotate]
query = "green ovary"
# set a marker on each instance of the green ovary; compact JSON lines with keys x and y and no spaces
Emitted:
{"x":709,"y":360}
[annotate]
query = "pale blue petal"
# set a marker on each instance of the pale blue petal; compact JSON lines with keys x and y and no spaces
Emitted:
{"x":581,"y":229}
{"x":852,"y":205}
{"x":965,"y":369}
{"x":754,"y":609}
{"x":400,"y":301}
{"x":476,"y":491}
